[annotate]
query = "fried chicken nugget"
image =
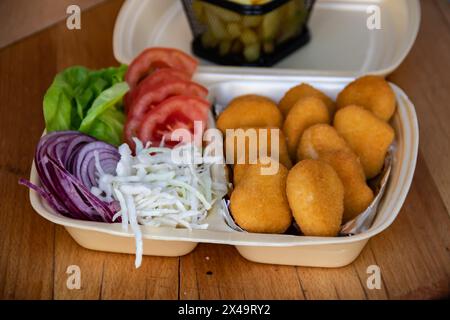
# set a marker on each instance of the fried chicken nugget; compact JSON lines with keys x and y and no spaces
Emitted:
{"x":304,"y":114}
{"x":259,"y":202}
{"x":316,"y":197}
{"x":303,"y":91}
{"x":240,"y":169}
{"x":250,"y":111}
{"x":370,"y":92}
{"x":318,"y":139}
{"x":357,"y":194}
{"x":368,"y":136}
{"x":323,"y":142}
{"x":238,"y":145}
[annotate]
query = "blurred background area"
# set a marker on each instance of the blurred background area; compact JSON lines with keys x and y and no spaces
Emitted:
{"x":21,"y":18}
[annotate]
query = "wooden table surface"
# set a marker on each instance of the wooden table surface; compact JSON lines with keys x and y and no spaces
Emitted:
{"x":413,"y":254}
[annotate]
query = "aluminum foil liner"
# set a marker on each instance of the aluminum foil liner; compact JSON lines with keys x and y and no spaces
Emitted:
{"x":228,"y":217}
{"x":358,"y":225}
{"x":364,"y":221}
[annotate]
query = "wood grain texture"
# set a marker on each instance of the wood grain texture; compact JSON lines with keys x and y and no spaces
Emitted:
{"x":424,"y":75}
{"x":21,"y":18}
{"x":413,"y":254}
{"x":219,"y":272}
{"x":444,"y":5}
{"x":26,"y":240}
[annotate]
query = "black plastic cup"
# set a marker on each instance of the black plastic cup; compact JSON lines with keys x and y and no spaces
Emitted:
{"x":230,"y":33}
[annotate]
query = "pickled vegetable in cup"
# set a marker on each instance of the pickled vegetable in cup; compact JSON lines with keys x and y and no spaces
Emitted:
{"x":246,"y":30}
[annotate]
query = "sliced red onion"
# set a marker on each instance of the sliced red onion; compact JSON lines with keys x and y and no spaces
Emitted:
{"x":84,"y":166}
{"x":75,"y":145}
{"x":65,"y":163}
{"x":44,"y":194}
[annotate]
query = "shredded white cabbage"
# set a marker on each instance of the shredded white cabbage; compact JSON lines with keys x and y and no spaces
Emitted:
{"x":156,"y":189}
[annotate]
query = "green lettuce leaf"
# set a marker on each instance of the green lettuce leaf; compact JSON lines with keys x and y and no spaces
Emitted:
{"x":83,"y":99}
{"x":108,"y":127}
{"x":108,"y":99}
{"x":59,"y":99}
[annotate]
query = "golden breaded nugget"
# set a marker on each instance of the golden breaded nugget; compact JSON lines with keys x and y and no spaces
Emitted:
{"x":367,"y":135}
{"x":259,"y":202}
{"x":303,"y":91}
{"x":372,"y":93}
{"x":357,"y":194}
{"x":238,"y":145}
{"x":304,"y":114}
{"x":316,"y":198}
{"x":323,"y":142}
{"x":318,"y":139}
{"x":250,"y":111}
{"x":239,"y":170}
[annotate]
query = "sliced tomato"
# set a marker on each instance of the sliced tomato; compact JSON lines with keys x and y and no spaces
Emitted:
{"x":174,"y":113}
{"x":156,"y":78}
{"x":156,"y":58}
{"x":130,"y":130}
{"x":158,"y":94}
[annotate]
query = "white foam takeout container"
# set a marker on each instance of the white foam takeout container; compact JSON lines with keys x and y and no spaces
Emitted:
{"x":143,"y":24}
{"x":341,"y":43}
{"x":267,"y":248}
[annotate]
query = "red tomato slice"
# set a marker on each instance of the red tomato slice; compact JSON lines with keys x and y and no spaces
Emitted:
{"x":148,"y":100}
{"x":164,"y":90}
{"x":174,"y":113}
{"x":155,"y":58}
{"x":130,"y":130}
{"x":156,"y":78}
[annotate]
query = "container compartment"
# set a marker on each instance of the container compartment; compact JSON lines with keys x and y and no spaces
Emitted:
{"x":328,"y":255}
{"x":101,"y":241}
{"x":263,"y":248}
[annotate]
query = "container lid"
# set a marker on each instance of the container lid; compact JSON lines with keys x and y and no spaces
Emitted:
{"x":343,"y":42}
